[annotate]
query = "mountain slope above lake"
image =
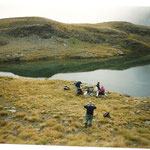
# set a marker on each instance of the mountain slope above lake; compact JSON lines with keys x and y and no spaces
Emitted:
{"x":35,"y":38}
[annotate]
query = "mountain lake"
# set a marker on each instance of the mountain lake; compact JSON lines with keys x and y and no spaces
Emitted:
{"x":134,"y":81}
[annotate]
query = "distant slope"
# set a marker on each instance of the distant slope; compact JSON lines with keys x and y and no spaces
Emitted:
{"x":34,"y":38}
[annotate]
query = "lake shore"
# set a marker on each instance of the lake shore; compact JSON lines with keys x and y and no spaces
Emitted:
{"x":138,"y":76}
{"x":34,"y":111}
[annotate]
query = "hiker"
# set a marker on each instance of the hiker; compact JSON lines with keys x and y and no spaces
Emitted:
{"x":89,"y":113}
{"x":97,"y":89}
{"x":78,"y":88}
{"x":98,"y":85}
{"x":102,"y":91}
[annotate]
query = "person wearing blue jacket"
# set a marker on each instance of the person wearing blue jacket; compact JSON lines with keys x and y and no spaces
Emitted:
{"x":77,"y":86}
{"x":89,"y":113}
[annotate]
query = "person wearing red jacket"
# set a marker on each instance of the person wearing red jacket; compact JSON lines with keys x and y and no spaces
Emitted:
{"x":102,"y":91}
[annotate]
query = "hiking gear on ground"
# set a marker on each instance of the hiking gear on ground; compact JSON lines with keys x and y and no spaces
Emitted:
{"x":66,"y":88}
{"x":107,"y":115}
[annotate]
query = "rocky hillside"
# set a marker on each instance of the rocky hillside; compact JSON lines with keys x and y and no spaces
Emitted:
{"x":33,"y":38}
{"x":34,"y":111}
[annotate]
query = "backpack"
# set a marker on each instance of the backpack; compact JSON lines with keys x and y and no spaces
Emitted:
{"x":107,"y":115}
{"x":66,"y":88}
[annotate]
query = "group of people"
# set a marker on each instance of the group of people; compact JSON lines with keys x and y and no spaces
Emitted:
{"x":100,"y":90}
{"x":90,"y":106}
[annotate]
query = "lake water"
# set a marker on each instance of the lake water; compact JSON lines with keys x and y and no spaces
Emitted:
{"x":134,"y":81}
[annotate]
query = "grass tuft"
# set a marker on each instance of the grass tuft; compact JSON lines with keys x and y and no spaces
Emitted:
{"x":4,"y":113}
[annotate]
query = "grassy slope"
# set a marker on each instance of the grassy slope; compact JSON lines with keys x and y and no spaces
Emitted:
{"x":46,"y":114}
{"x":33,"y":38}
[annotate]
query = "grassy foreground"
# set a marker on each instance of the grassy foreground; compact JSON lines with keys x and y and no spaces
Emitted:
{"x":40,"y":112}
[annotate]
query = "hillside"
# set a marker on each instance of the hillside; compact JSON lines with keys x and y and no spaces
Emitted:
{"x":34,"y":111}
{"x":35,"y":38}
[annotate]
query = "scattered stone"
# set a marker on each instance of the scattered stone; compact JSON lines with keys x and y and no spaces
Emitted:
{"x":76,"y":130}
{"x":12,"y":110}
{"x":131,"y":112}
{"x":8,"y":119}
{"x":55,"y":116}
{"x":120,"y":52}
{"x":38,"y":129}
{"x":126,"y":101}
{"x":6,"y":108}
{"x":66,"y":122}
{"x":15,"y":133}
{"x":92,"y":94}
{"x":137,"y":102}
{"x":147,"y":122}
{"x":133,"y":128}
{"x":85,"y":86}
{"x":138,"y":111}
{"x":145,"y":101}
{"x":45,"y":96}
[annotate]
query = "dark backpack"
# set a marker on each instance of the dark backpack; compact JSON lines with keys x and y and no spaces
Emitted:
{"x":66,"y":88}
{"x":107,"y":115}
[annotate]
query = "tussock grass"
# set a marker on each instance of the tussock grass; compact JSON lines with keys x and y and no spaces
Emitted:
{"x":3,"y":122}
{"x":4,"y":113}
{"x":48,"y":115}
{"x":20,"y":114}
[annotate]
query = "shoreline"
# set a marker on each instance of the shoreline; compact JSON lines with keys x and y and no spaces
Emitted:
{"x":85,"y":84}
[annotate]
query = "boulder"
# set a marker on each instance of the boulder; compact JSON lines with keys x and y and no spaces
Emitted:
{"x":138,"y":111}
{"x":12,"y":110}
{"x":147,"y":122}
{"x":131,"y":112}
{"x":137,"y":102}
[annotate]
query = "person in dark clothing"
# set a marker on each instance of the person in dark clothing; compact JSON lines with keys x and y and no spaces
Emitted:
{"x":98,"y":85}
{"x":78,"y":88}
{"x":89,"y":113}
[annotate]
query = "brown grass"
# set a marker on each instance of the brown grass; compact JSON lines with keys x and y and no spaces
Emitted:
{"x":4,"y":113}
{"x":48,"y":115}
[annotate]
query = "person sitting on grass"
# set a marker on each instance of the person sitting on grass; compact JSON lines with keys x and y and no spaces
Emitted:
{"x":89,"y":113}
{"x":102,"y":91}
{"x":98,"y":85}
